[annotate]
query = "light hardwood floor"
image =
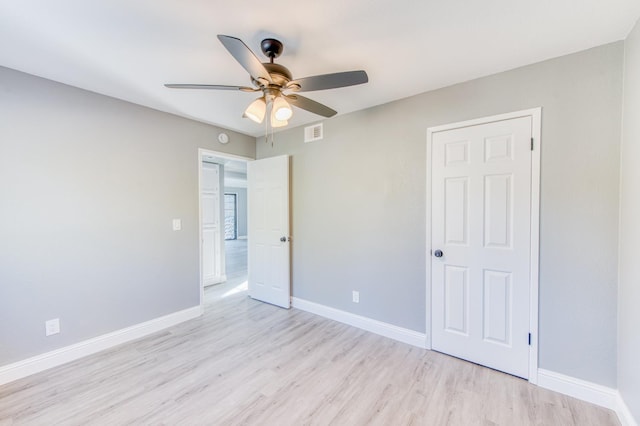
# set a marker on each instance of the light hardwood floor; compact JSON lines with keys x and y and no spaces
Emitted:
{"x":246,"y":362}
{"x":235,"y":259}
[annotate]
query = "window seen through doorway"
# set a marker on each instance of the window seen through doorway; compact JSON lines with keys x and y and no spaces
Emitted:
{"x":230,"y":216}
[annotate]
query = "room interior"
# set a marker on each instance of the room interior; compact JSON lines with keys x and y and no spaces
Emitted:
{"x":97,"y":160}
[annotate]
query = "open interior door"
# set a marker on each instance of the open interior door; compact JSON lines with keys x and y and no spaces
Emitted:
{"x":268,"y":230}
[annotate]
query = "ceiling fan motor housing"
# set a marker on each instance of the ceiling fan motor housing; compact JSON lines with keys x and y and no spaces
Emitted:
{"x":279,"y":74}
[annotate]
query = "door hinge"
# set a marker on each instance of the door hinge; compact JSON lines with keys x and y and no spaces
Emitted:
{"x":529,"y":339}
{"x":531,"y":144}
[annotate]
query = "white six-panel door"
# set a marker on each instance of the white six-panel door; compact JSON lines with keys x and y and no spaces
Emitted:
{"x":481,"y":242}
{"x":212,"y":249}
{"x":268,"y":229}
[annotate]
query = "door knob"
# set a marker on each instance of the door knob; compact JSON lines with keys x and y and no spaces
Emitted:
{"x":283,"y":239}
{"x":438,"y":253}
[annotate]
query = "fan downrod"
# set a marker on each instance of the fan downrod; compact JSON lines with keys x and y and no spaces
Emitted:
{"x":271,"y":48}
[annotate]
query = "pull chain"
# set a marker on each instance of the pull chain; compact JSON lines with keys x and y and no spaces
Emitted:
{"x":267,"y":122}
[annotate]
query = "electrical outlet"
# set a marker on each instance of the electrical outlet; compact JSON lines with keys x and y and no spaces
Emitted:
{"x":52,"y":327}
{"x":356,"y":296}
{"x":177,"y":224}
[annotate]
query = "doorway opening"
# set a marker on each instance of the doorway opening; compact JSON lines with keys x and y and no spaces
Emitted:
{"x":223,"y":225}
{"x":235,"y":222}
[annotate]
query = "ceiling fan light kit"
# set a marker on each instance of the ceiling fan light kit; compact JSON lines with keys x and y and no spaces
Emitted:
{"x":256,"y":110}
{"x":280,"y":112}
{"x":281,"y":109}
{"x":276,"y":82}
{"x":275,"y":123}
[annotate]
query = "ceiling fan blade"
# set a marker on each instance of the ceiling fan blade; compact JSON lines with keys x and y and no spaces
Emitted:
{"x":245,"y":57}
{"x":210,"y":87}
{"x":310,"y":105}
{"x":331,"y":81}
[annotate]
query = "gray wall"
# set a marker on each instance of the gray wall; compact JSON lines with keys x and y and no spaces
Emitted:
{"x":89,"y":186}
{"x":629,"y":289}
{"x":358,"y":203}
{"x":241,"y":199}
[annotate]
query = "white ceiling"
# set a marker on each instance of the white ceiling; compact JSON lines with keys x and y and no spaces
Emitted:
{"x":129,"y":48}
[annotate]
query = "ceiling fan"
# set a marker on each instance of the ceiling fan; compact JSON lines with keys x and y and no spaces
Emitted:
{"x":277,"y":84}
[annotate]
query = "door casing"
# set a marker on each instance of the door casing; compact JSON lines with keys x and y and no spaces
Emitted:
{"x":536,"y":117}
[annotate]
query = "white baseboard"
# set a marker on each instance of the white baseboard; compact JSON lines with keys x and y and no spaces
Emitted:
{"x":624,"y":414}
{"x":378,"y":327}
{"x":577,"y":388}
{"x":586,"y":391}
{"x":217,"y":280}
{"x":38,"y":363}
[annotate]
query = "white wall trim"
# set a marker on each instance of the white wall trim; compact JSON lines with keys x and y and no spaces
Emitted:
{"x":38,"y":363}
{"x":428,"y":245}
{"x":378,"y":327}
{"x":624,"y":414}
{"x":586,"y":391}
{"x":536,"y":126}
{"x":578,"y":388}
{"x":215,"y":280}
{"x":534,"y":260}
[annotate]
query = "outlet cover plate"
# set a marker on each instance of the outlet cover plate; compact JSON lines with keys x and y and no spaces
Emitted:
{"x":52,"y":326}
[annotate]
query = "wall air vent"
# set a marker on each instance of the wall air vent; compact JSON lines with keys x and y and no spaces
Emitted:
{"x":313,"y":133}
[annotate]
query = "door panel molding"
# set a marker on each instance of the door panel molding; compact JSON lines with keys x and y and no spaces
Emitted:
{"x":269,"y":230}
{"x":494,"y":149}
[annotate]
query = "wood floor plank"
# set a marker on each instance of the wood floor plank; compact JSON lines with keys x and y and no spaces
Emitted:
{"x":250,"y":363}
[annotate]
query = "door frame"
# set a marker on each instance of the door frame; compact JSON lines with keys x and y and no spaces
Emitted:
{"x":202,"y":152}
{"x":536,"y":121}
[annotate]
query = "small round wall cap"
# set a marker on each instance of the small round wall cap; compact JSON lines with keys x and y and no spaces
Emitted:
{"x":223,"y":138}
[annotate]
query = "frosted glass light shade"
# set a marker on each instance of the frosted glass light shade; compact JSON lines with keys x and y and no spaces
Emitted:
{"x":281,"y":109}
{"x":278,"y":123}
{"x":256,"y":110}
